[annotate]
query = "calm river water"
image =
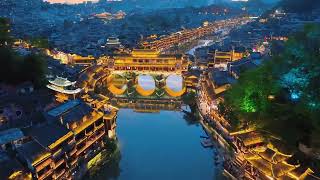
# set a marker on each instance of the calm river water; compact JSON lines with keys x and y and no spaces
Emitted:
{"x":159,"y":146}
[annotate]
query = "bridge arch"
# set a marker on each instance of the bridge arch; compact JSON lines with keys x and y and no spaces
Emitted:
{"x":116,"y":84}
{"x":146,"y":85}
{"x":175,"y":86}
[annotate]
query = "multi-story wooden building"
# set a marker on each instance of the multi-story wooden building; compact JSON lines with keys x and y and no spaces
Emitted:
{"x":188,"y":35}
{"x":224,"y":57}
{"x":147,"y":60}
{"x":72,"y":134}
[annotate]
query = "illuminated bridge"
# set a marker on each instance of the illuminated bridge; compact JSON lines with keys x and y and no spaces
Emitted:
{"x":146,"y":85}
{"x":139,"y":74}
{"x":148,"y":61}
{"x":145,"y":72}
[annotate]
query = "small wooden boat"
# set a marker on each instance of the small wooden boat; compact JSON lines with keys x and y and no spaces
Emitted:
{"x":206,"y":143}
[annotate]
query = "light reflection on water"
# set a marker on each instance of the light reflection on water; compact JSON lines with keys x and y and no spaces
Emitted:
{"x":159,"y":146}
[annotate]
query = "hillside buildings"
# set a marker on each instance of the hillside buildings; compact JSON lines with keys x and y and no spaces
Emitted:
{"x":72,"y":134}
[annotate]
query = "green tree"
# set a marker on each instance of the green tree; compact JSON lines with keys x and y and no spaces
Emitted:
{"x":14,"y":68}
{"x":34,"y":69}
{"x":282,"y":96}
{"x":190,"y":99}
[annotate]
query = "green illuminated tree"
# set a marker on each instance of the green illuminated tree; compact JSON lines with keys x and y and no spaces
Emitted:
{"x":282,"y":96}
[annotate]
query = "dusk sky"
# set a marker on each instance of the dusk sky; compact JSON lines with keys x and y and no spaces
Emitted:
{"x":70,"y":1}
{"x":82,"y":1}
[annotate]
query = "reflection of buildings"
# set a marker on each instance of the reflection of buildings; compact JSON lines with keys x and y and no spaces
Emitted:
{"x":148,"y":105}
{"x":146,"y":60}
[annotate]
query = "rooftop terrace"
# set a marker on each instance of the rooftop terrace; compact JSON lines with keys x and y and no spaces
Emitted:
{"x":64,"y":108}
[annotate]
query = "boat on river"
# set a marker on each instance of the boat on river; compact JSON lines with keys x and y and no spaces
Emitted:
{"x":206,"y":143}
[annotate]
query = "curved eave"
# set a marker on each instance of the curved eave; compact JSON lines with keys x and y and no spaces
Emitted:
{"x":66,"y":84}
{"x":113,"y":43}
{"x":71,"y":92}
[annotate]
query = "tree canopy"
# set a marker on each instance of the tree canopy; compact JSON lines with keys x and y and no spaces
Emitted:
{"x":14,"y":68}
{"x":284,"y":93}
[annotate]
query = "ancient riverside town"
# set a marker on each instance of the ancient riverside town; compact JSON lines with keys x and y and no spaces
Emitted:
{"x":170,"y":89}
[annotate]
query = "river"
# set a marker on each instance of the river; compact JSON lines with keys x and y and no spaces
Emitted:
{"x":159,"y":146}
{"x":201,"y":43}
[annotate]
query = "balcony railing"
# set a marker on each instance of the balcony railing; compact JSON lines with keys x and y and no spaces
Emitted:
{"x":46,"y":174}
{"x":90,"y":142}
{"x":43,"y":165}
{"x":98,"y":127}
{"x":73,"y":162}
{"x":59,"y":163}
{"x":59,"y":174}
{"x":81,"y":140}
{"x":72,"y":152}
{"x":71,"y":142}
{"x":89,"y":133}
{"x":57,"y":153}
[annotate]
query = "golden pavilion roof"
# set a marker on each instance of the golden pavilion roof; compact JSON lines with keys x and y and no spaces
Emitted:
{"x":273,"y":156}
{"x":251,"y":138}
{"x":62,"y":82}
{"x":270,"y":169}
{"x":270,"y":162}
{"x":301,"y":173}
{"x":145,"y":53}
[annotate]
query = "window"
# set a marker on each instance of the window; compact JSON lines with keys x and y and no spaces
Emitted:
{"x":80,"y":136}
{"x":90,"y":128}
{"x":99,"y":122}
